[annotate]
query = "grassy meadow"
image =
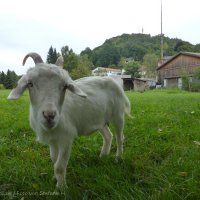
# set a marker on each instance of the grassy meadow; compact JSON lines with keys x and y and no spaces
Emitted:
{"x":161,"y":154}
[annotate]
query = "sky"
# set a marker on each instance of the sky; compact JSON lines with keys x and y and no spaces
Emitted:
{"x":33,"y":26}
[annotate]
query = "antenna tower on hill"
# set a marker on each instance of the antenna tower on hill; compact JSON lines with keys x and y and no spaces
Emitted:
{"x":161,"y":38}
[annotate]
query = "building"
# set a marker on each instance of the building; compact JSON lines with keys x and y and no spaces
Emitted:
{"x":116,"y":74}
{"x":138,"y":84}
{"x":102,"y":71}
{"x":128,"y":83}
{"x":170,"y":73}
{"x":141,"y":84}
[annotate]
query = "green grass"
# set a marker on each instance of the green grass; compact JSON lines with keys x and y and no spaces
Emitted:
{"x":161,"y":160}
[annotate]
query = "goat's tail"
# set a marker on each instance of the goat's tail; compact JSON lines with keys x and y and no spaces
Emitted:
{"x":127,"y":106}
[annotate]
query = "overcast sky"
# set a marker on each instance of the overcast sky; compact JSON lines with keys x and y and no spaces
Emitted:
{"x":27,"y":26}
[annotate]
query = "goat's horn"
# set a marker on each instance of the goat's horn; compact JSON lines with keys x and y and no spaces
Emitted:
{"x":60,"y":61}
{"x":36,"y":58}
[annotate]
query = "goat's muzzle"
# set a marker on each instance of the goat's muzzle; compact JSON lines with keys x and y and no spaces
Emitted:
{"x":49,"y":118}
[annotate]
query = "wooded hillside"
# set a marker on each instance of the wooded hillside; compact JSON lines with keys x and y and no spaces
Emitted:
{"x":135,"y":46}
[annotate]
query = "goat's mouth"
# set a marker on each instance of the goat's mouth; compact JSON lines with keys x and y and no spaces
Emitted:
{"x":49,"y":124}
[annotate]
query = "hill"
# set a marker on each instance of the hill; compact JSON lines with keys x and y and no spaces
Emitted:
{"x":135,"y":46}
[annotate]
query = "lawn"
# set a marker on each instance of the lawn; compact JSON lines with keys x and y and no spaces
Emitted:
{"x":161,"y":156}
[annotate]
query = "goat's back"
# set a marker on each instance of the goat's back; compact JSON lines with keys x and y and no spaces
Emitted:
{"x":104,"y":102}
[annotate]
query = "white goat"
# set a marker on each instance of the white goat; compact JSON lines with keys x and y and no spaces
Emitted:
{"x":61,"y":109}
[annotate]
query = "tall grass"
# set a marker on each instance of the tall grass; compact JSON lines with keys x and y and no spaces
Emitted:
{"x":161,"y":159}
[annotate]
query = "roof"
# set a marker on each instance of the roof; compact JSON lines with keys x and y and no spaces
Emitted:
{"x":106,"y":69}
{"x":181,"y":53}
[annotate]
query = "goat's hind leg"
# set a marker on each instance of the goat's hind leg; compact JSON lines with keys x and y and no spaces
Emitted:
{"x":119,"y":126}
{"x":107,"y":140}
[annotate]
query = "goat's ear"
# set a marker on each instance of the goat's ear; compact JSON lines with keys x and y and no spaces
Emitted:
{"x":18,"y":91}
{"x":76,"y":90}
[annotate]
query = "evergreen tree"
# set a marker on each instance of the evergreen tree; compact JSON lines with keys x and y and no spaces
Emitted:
{"x":8,"y":80}
{"x":52,"y":55}
{"x":14,"y":79}
{"x":8,"y":83}
{"x":2,"y":77}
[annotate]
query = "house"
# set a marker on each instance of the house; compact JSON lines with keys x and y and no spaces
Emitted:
{"x":170,"y":73}
{"x":102,"y":71}
{"x":116,"y":74}
{"x":125,"y":81}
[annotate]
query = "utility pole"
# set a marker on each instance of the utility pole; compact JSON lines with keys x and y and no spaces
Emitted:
{"x":161,"y":38}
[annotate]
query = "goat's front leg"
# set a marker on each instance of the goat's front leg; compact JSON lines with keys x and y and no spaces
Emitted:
{"x":61,"y":163}
{"x":54,"y":152}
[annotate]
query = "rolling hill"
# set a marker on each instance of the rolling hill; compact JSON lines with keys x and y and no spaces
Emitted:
{"x":135,"y":46}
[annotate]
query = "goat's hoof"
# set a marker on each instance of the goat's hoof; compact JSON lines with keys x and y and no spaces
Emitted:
{"x":62,"y":189}
{"x":61,"y":185}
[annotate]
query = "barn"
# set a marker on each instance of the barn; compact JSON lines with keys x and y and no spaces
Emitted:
{"x":170,"y":73}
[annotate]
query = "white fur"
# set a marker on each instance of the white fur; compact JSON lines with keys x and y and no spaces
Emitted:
{"x":87,"y":105}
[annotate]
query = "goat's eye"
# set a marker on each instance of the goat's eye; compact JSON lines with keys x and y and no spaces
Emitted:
{"x":30,"y":84}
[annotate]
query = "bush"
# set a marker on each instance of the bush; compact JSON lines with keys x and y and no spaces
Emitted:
{"x":195,"y":86}
{"x":192,"y":85}
{"x":2,"y":87}
{"x":186,"y":83}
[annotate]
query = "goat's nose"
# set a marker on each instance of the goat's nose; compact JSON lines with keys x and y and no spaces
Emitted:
{"x":49,"y":115}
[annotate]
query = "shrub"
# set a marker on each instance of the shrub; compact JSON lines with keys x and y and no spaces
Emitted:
{"x":195,"y":86}
{"x":186,"y":83}
{"x":2,"y":87}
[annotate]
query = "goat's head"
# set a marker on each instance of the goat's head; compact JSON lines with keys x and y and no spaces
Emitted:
{"x":47,"y":84}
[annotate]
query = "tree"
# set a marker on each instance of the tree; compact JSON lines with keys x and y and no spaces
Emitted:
{"x":10,"y":80}
{"x":197,"y":48}
{"x":70,"y":58}
{"x":137,"y":52}
{"x":150,"y":61}
{"x":83,"y":69}
{"x":77,"y":65}
{"x":183,"y":46}
{"x":106,"y":56}
{"x":165,"y":48}
{"x":2,"y":77}
{"x":132,"y":68}
{"x":2,"y":87}
{"x":87,"y":52}
{"x":52,"y":55}
{"x":197,"y":73}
